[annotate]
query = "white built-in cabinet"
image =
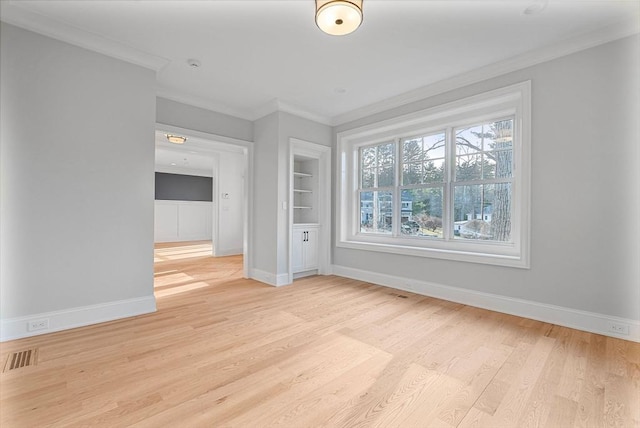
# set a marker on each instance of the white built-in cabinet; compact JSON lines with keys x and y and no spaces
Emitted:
{"x":305,"y":247}
{"x":304,"y":251}
{"x":310,"y":208}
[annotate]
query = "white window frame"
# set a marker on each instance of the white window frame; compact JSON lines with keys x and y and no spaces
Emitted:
{"x":512,"y":101}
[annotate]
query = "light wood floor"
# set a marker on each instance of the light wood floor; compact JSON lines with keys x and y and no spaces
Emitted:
{"x":223,"y":351}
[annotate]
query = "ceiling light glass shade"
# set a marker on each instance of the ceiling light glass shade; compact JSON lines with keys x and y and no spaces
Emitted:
{"x":176,"y":139}
{"x":338,"y":17}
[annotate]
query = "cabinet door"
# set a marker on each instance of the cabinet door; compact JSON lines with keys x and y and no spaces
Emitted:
{"x":297,"y":256}
{"x":311,"y":249}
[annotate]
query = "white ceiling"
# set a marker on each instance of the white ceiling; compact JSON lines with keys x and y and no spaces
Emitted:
{"x":182,"y":160}
{"x":261,"y":55}
{"x":196,"y":156}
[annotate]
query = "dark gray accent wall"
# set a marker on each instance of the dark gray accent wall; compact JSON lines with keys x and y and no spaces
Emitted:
{"x":178,"y":187}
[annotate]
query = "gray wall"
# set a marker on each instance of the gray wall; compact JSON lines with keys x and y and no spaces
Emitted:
{"x":180,"y":187}
{"x":198,"y":119}
{"x":271,"y":185}
{"x":76,"y":214}
{"x":265,"y":191}
{"x":585,"y":188}
{"x":303,"y":129}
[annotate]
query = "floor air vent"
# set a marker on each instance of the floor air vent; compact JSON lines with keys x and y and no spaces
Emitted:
{"x":21,"y":359}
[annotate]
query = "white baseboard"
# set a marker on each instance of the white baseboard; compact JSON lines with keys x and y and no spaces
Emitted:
{"x":567,"y":317}
{"x":17,"y":328}
{"x":186,"y":238}
{"x":231,"y":252}
{"x":270,"y":278}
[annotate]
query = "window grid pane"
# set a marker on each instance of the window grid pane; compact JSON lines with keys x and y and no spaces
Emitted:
{"x":482,"y":212}
{"x":376,"y":212}
{"x":480,"y":197}
{"x":423,"y":159}
{"x":421,"y":213}
{"x":484,"y":151}
{"x":377,"y":166}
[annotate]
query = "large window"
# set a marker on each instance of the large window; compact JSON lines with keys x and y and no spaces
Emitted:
{"x":450,"y":182}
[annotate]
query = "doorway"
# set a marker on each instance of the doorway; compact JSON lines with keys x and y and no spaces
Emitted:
{"x":221,"y":217}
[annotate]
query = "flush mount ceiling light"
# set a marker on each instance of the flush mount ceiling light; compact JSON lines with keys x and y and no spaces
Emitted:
{"x":175,"y":139}
{"x":338,"y":17}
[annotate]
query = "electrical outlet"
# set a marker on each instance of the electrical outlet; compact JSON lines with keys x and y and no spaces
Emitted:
{"x":619,"y":328}
{"x":34,"y":325}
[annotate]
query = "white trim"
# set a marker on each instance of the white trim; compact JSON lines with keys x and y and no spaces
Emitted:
{"x":206,"y":141}
{"x":573,"y":318}
{"x":215,"y":211}
{"x":443,"y":254}
{"x":286,"y":107}
{"x":205,"y":103}
{"x":518,"y":62}
{"x":230,"y":252}
{"x":513,"y":100}
{"x":251,"y":115}
{"x":323,"y":155}
{"x":282,"y":279}
{"x":16,"y":13}
{"x":270,"y":278}
{"x":16,"y":328}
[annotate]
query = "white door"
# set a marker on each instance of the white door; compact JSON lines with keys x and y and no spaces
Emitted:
{"x":311,"y":249}
{"x":297,"y":256}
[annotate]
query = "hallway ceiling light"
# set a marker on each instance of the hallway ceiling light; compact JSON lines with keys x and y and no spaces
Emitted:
{"x":338,"y":17}
{"x":175,"y":139}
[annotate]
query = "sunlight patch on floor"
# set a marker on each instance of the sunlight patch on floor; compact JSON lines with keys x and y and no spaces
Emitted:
{"x":180,"y":289}
{"x":174,"y":278}
{"x":173,"y":260}
{"x":181,"y":251}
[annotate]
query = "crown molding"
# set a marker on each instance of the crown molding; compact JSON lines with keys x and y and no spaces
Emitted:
{"x":12,"y":12}
{"x":286,"y":107}
{"x":527,"y":59}
{"x":15,"y":13}
{"x":201,"y":102}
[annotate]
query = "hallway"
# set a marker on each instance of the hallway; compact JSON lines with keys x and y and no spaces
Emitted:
{"x":185,"y":266}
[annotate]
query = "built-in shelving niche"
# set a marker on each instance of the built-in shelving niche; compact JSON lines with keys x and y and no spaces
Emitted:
{"x":305,"y":190}
{"x":310,"y":213}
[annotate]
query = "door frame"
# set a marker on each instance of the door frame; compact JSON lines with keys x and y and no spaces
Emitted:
{"x":213,"y":143}
{"x":323,"y":155}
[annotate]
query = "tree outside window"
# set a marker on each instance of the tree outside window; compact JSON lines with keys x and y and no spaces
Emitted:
{"x":479,"y":187}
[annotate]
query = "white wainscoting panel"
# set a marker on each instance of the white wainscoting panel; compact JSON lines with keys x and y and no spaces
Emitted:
{"x":182,"y":221}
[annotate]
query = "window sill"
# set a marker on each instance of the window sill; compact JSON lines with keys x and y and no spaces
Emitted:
{"x":459,"y":255}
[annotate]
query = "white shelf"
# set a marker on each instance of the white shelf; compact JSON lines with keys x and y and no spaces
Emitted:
{"x":305,"y":189}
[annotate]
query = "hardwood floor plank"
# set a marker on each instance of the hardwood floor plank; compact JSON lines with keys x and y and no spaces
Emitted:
{"x":311,"y":410}
{"x":479,"y":370}
{"x":224,"y":351}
